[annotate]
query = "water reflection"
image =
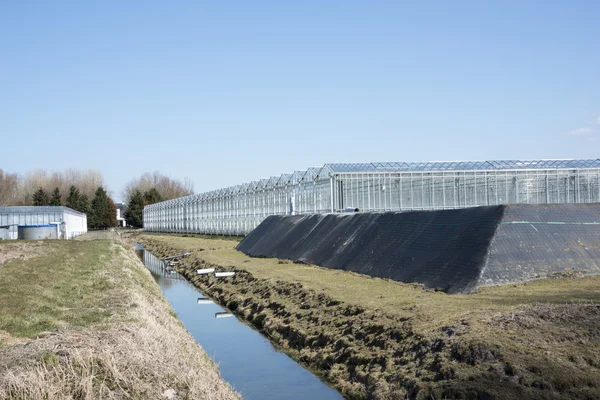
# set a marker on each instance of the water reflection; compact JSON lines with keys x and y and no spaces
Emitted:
{"x":246,"y":360}
{"x":158,"y":267}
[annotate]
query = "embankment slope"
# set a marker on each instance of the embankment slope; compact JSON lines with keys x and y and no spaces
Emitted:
{"x":380,"y":339}
{"x":451,"y":250}
{"x":86,"y":320}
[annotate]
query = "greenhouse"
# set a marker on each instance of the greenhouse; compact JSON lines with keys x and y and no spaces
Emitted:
{"x":378,"y":187}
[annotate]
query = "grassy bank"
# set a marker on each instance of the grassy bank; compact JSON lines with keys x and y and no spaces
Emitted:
{"x":85,"y":320}
{"x":374,"y":338}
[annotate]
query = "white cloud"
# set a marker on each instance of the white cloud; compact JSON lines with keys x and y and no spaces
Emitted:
{"x":598,"y":120}
{"x":581,"y":131}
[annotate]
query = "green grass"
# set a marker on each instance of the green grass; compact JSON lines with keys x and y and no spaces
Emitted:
{"x":539,"y":339}
{"x":67,"y":286}
{"x":395,"y":298}
{"x":107,"y":330}
{"x":230,"y":238}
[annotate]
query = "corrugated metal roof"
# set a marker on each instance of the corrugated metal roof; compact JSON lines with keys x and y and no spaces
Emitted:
{"x":38,"y":210}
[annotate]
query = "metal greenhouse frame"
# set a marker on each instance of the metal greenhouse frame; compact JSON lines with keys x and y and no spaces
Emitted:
{"x":392,"y":186}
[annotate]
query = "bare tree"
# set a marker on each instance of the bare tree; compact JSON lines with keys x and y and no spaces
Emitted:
{"x":8,"y":188}
{"x":86,"y":181}
{"x":168,"y":188}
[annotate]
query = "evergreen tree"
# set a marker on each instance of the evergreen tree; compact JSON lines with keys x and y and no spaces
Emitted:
{"x":40,"y":198}
{"x":135,"y":207}
{"x":103,"y":212}
{"x":83,"y":204}
{"x":73,"y":200}
{"x":110,"y":216}
{"x":152,"y":196}
{"x":56,"y":198}
{"x":98,"y":208}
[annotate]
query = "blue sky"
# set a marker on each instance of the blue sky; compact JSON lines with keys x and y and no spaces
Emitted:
{"x":229,"y":92}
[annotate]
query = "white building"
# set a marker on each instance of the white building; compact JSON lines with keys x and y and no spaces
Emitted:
{"x":121,"y":214}
{"x":70,"y":223}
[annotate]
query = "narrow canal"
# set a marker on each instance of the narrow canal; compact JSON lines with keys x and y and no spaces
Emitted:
{"x":246,"y":359}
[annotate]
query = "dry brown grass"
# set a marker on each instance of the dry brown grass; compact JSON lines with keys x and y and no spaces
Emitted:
{"x":136,"y":349}
{"x":111,"y":234}
{"x":390,"y":296}
{"x":22,"y":250}
{"x":377,"y":338}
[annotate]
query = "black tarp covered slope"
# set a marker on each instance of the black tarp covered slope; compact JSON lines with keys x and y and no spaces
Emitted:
{"x":452,"y":250}
{"x":537,"y":241}
{"x":441,"y":249}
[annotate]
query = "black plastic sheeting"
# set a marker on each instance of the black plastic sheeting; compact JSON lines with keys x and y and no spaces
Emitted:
{"x":537,"y":241}
{"x":451,"y":250}
{"x":441,"y":249}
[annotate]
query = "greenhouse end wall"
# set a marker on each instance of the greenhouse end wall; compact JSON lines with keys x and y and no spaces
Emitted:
{"x":377,"y":187}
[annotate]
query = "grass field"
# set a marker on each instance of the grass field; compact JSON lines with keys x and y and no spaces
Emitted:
{"x":85,"y":320}
{"x":382,"y":339}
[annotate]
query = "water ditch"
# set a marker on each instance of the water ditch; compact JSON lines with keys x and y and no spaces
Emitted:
{"x":246,"y":359}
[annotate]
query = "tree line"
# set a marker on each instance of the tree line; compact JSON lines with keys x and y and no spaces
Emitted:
{"x":85,"y":192}
{"x":43,"y":188}
{"x":151,"y":188}
{"x":19,"y":190}
{"x":101,"y":211}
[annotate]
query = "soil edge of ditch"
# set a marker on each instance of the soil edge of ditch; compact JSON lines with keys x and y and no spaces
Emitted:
{"x":363,"y":353}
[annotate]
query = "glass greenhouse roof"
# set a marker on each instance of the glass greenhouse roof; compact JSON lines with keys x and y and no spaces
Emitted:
{"x":459,"y":165}
{"x":318,"y":173}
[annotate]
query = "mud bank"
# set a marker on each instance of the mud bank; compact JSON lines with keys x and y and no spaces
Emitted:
{"x":367,"y":353}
